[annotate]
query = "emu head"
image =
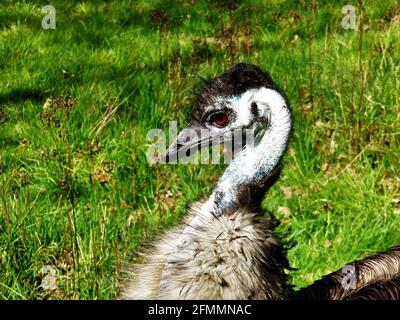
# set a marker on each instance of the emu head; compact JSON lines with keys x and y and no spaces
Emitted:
{"x":234,"y":108}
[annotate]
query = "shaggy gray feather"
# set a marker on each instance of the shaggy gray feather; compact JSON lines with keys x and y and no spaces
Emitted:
{"x":234,"y":256}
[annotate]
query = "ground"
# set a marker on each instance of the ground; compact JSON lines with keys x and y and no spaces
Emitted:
{"x":77,"y":195}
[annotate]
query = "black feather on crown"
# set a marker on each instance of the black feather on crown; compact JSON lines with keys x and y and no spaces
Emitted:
{"x":233,"y":82}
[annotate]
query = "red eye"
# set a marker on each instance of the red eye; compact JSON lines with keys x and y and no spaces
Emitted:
{"x":220,"y":119}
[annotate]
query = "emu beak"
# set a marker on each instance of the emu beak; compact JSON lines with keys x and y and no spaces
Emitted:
{"x":188,"y":142}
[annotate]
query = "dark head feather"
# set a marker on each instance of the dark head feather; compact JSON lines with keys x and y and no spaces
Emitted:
{"x":235,"y":81}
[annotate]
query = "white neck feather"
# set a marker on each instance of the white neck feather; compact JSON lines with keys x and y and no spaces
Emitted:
{"x":255,"y":163}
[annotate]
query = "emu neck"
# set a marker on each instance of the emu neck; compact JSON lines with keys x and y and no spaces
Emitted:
{"x":256,"y":168}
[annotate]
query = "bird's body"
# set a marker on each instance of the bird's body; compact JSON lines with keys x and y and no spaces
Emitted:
{"x":234,"y":256}
{"x":225,"y":248}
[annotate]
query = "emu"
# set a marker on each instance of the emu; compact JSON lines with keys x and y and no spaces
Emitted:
{"x":225,"y":248}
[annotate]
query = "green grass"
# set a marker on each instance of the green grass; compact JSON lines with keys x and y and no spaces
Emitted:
{"x":76,"y":191}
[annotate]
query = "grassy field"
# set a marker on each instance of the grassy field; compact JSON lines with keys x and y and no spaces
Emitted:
{"x":76,"y":191}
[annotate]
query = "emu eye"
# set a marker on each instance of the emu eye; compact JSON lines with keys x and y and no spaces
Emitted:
{"x":219,"y":118}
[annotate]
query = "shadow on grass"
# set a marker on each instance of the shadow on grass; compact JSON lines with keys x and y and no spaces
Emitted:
{"x":21,"y":95}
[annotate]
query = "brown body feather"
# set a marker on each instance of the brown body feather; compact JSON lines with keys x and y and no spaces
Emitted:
{"x":375,"y":277}
{"x":234,"y":256}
